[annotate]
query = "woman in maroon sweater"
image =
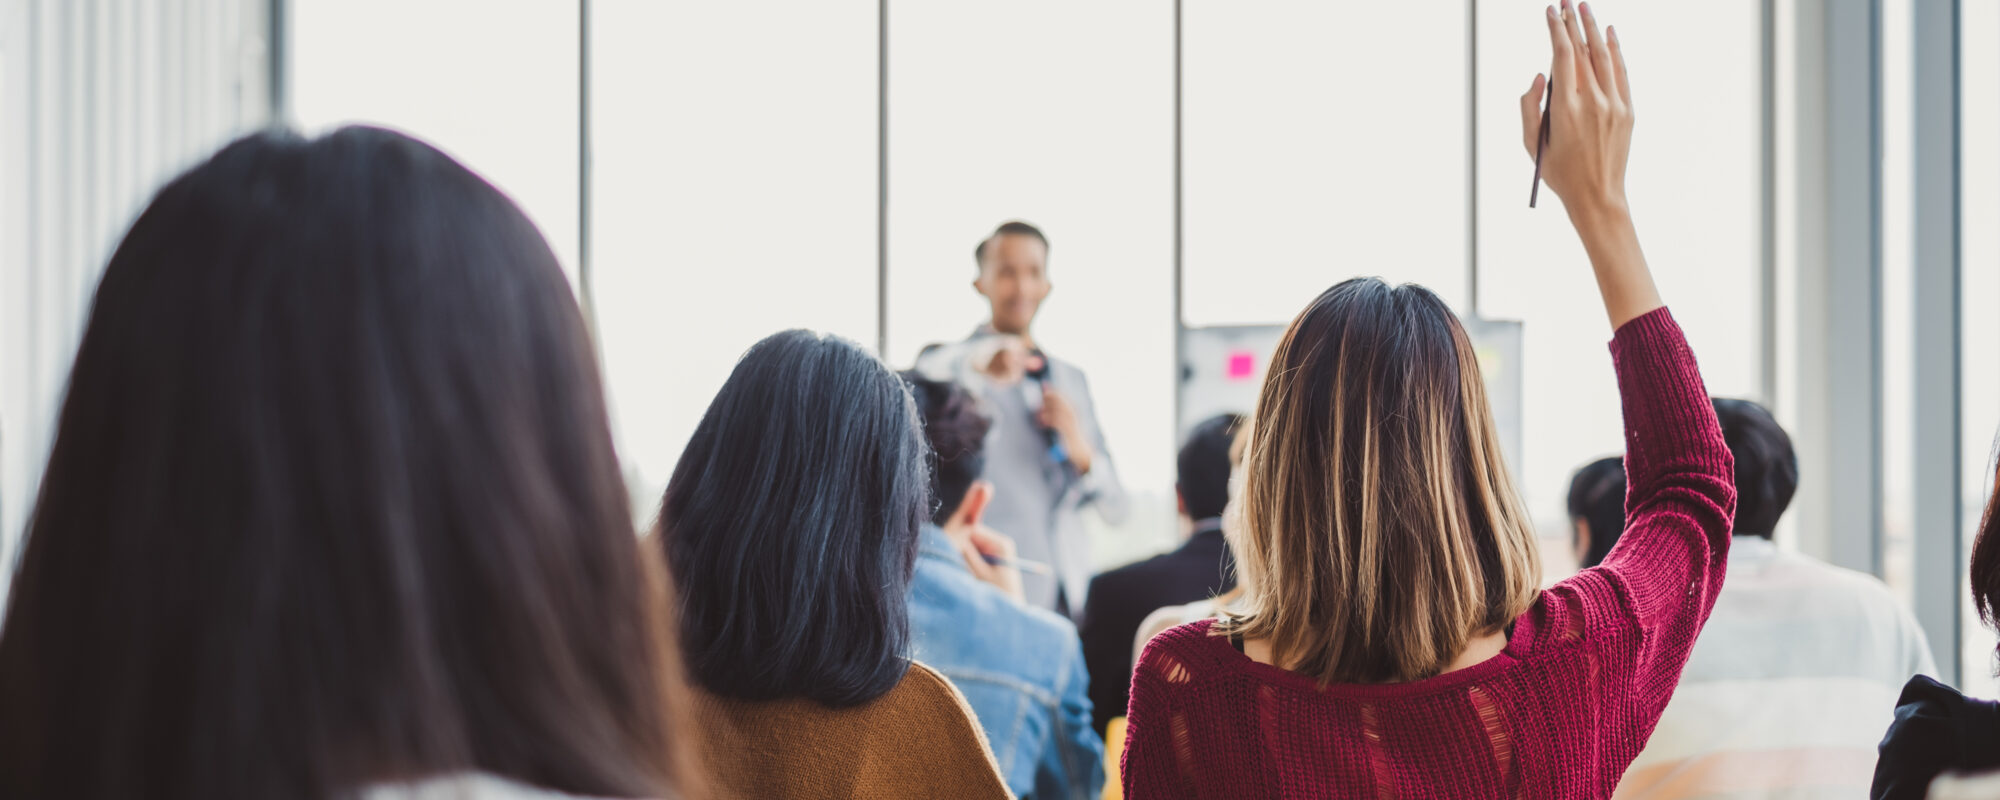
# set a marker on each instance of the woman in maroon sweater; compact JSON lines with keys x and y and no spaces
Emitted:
{"x":1396,"y":644}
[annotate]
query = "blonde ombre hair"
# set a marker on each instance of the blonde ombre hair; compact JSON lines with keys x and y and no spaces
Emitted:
{"x":1378,"y":516}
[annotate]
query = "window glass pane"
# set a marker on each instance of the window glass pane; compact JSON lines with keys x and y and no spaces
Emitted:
{"x":1061,"y":114}
{"x":734,"y":196}
{"x":1979,"y":296}
{"x":492,"y":82}
{"x":1694,"y":183}
{"x":1898,"y":297}
{"x":1301,"y":167}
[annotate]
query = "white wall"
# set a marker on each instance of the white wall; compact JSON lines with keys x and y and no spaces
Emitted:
{"x":100,"y":102}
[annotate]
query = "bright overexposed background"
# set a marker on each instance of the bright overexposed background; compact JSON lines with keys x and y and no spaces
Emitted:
{"x":756,"y":167}
{"x":737,"y":183}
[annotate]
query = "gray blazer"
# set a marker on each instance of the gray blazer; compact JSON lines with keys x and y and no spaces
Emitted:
{"x":1036,"y":500}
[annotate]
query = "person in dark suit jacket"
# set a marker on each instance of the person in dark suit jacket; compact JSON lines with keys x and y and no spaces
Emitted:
{"x":1200,"y":568}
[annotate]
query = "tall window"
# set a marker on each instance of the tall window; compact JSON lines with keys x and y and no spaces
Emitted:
{"x":492,"y":82}
{"x":1059,"y":113}
{"x":734,"y":196}
{"x":1305,"y":164}
{"x":1979,"y":295}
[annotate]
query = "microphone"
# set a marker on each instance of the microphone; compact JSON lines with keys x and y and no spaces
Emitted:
{"x":1040,"y":375}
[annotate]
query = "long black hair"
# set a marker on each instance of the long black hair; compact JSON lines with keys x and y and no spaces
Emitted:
{"x":791,"y":525}
{"x":333,"y":502}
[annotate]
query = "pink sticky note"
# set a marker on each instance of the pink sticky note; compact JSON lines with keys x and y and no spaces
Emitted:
{"x":1242,"y":365}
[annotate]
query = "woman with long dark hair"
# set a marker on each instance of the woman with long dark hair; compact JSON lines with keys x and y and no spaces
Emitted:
{"x":791,"y":524}
{"x":333,"y":510}
{"x":1395,"y":641}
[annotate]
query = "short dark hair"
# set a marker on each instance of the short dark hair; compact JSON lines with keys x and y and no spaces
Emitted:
{"x":956,"y":430}
{"x":791,"y":525}
{"x":1203,"y":466}
{"x":333,"y":485}
{"x":1597,"y":496}
{"x":1008,"y":228}
{"x":1767,"y":469}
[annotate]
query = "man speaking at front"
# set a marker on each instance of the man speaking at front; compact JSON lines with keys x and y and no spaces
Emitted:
{"x":1045,"y":453}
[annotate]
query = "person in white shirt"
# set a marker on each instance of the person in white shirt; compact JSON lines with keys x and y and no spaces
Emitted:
{"x":1796,"y":675}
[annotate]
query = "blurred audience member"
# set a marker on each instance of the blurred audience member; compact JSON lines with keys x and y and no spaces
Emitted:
{"x":791,"y":523}
{"x":1020,"y":667}
{"x":1199,"y":569}
{"x":1232,"y":537}
{"x":1936,"y":729}
{"x":1792,"y":681}
{"x":1045,"y":455}
{"x":1597,"y":509}
{"x":333,"y":510}
{"x":1388,"y":548}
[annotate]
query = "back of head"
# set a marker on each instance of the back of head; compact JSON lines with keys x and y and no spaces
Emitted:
{"x":1383,"y":527}
{"x":1597,"y":496}
{"x":1767,"y":469}
{"x":791,"y":524}
{"x":956,"y":430}
{"x":332,"y":501}
{"x":1203,"y":466}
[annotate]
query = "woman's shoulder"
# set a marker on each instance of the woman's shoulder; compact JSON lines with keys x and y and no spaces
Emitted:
{"x":1168,"y":618}
{"x":1936,"y":729}
{"x":923,"y":690}
{"x":1187,"y":651}
{"x":928,"y":707}
{"x":939,"y":721}
{"x":1928,"y":708}
{"x":867,"y":747}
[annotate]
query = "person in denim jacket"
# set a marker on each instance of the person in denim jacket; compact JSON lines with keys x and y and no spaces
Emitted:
{"x":1021,"y":668}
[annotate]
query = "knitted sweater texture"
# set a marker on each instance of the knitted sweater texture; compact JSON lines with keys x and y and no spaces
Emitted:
{"x":1559,"y":713}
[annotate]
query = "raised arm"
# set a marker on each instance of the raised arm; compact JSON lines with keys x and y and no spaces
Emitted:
{"x":1681,"y":494}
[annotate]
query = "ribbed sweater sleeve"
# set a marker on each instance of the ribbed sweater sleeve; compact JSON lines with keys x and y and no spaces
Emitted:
{"x":1150,"y":767}
{"x":1680,"y":501}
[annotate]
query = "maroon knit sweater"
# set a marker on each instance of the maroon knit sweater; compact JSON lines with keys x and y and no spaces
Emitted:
{"x":1560,"y":712}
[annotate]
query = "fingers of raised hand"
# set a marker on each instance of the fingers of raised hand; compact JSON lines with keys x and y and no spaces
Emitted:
{"x":1579,"y":48}
{"x":1600,"y":52}
{"x":1562,"y":65}
{"x":1618,"y":68}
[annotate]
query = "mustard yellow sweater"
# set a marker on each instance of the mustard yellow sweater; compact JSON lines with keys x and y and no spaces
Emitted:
{"x":919,"y":740}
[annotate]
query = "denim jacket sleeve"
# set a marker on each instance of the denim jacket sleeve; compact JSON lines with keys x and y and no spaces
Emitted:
{"x":1074,"y":767}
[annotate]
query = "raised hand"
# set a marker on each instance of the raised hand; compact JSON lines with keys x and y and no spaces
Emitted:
{"x":1590,"y":117}
{"x":1590,"y":137}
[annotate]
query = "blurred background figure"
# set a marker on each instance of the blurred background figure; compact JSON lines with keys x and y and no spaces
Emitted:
{"x":1232,"y":537}
{"x":1199,"y":569}
{"x":1045,"y":455}
{"x":333,"y":508}
{"x":792,"y":525}
{"x":1020,"y":667}
{"x":1596,"y":509}
{"x":1794,"y":678}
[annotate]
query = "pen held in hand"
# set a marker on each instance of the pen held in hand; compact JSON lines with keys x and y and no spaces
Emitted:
{"x":1542,"y":142}
{"x":1021,"y":564}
